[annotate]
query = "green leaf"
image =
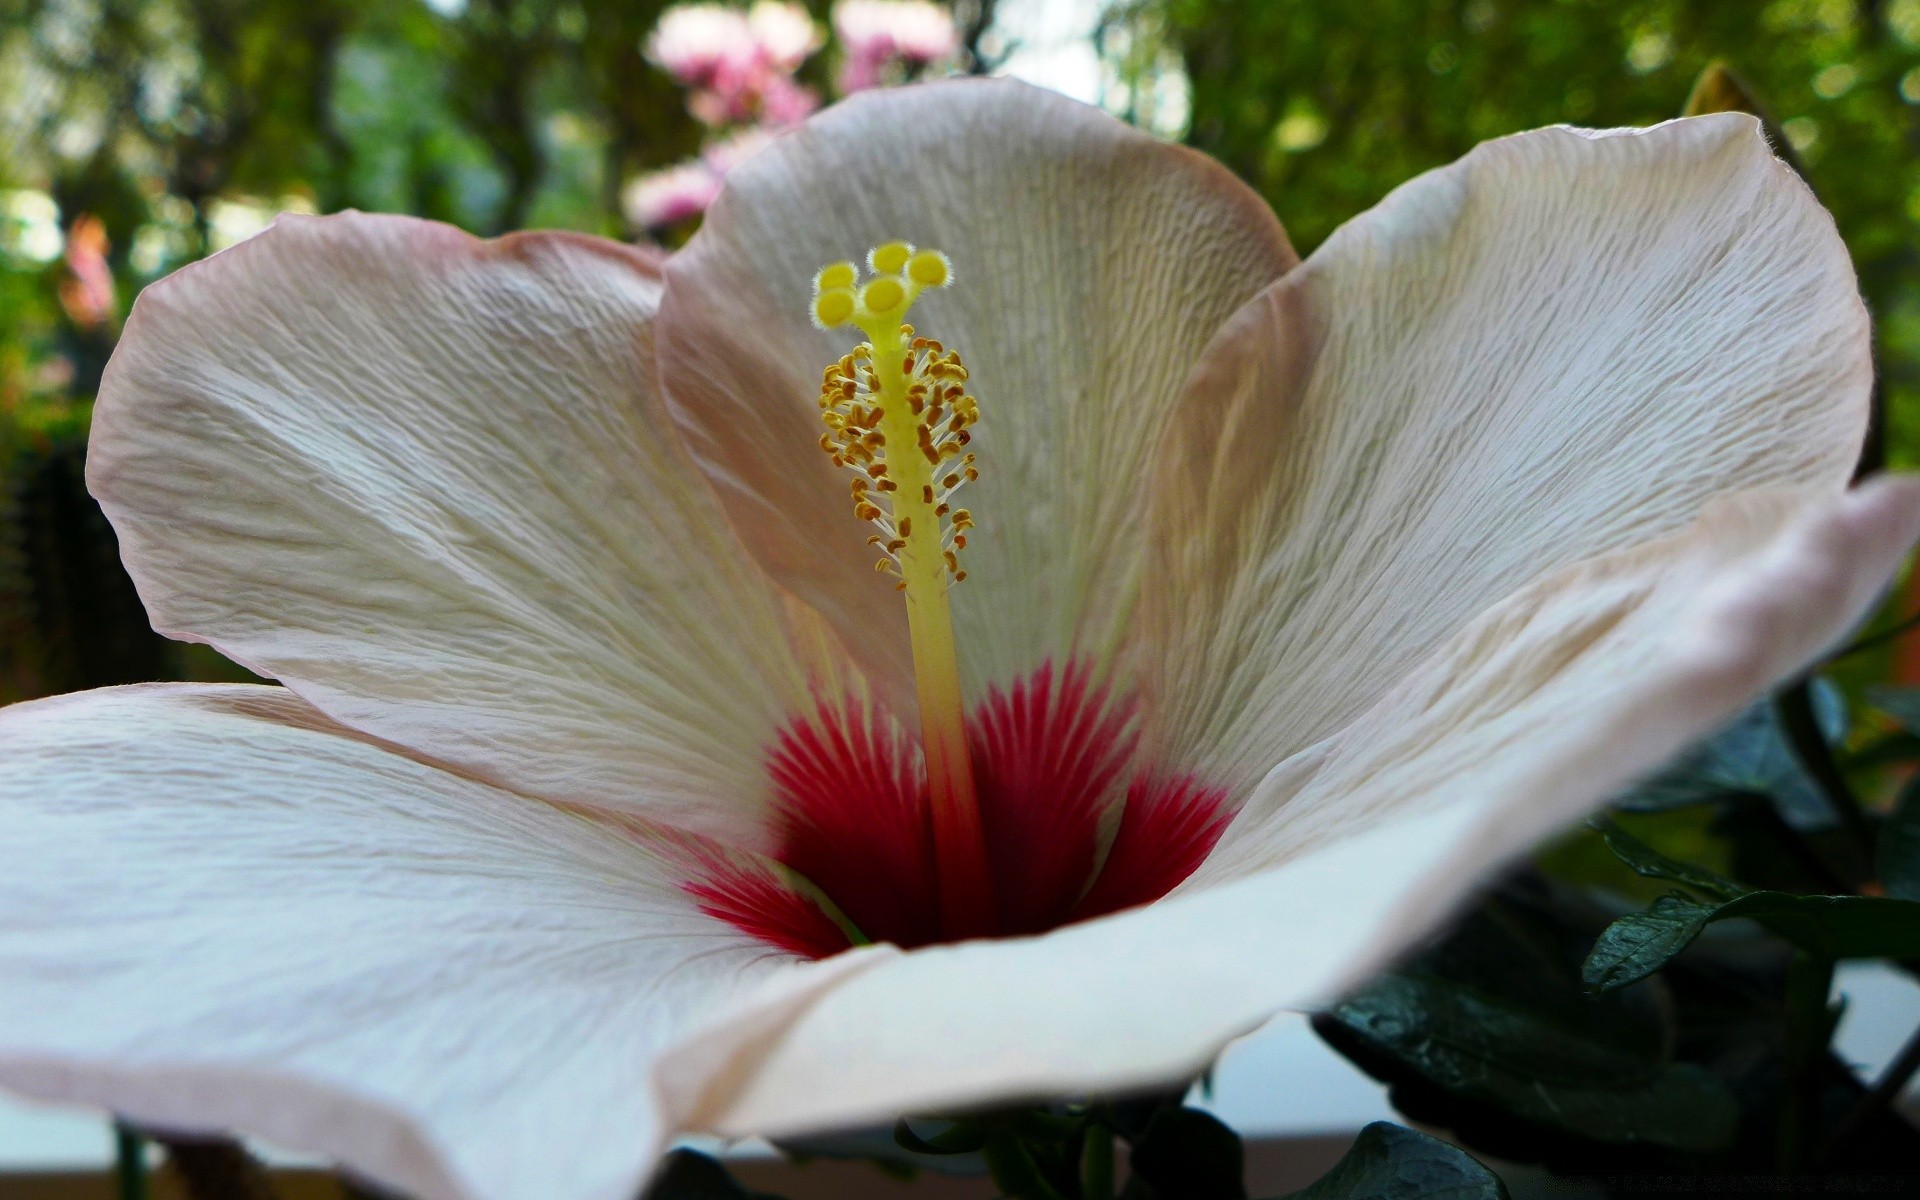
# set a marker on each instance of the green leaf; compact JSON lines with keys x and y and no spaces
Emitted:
{"x":1576,"y":1066}
{"x":1645,"y":860}
{"x":1189,"y":1155}
{"x":1751,"y":755}
{"x":1833,"y":927}
{"x":1900,"y":703}
{"x":1390,"y":1162}
{"x":689,"y":1175}
{"x":960,"y":1138}
{"x":1898,"y":857}
{"x":1639,"y":944}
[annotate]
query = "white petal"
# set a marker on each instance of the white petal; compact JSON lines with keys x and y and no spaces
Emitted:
{"x":1540,"y":709}
{"x":1092,"y":263}
{"x":220,"y":911}
{"x":1566,"y":343}
{"x":426,"y":481}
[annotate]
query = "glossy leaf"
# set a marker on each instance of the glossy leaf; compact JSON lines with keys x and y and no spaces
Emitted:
{"x":1898,"y":860}
{"x":1832,"y":927}
{"x":1639,"y":944}
{"x":1645,"y":860}
{"x":1900,"y":703}
{"x":1751,"y":755}
{"x":1391,"y":1162}
{"x":1571,"y":1066}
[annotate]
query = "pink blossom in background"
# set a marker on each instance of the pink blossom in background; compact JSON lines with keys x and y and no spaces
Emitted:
{"x":783,"y":33}
{"x":739,"y":65}
{"x":876,"y":34}
{"x":695,"y":43}
{"x":740,"y":62}
{"x":87,"y":294}
{"x":660,"y":199}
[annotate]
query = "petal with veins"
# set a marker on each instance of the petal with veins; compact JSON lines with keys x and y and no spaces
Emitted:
{"x":1530,"y":716}
{"x":1091,"y":265}
{"x":426,"y":481}
{"x":225,"y":912}
{"x":1566,"y":343}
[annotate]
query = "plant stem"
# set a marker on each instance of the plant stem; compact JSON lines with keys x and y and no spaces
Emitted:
{"x":1890,"y":1084}
{"x":1795,"y":706}
{"x":217,"y":1169}
{"x":1809,"y":1026}
{"x":1014,"y":1171}
{"x":1096,"y":1163}
{"x":130,"y":1163}
{"x":1796,"y":846}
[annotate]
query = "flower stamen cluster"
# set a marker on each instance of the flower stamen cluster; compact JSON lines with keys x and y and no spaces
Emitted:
{"x":898,"y":415}
{"x":942,"y":412}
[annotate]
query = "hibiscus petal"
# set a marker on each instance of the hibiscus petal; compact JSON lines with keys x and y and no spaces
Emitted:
{"x":1092,"y":263}
{"x":427,"y":482}
{"x":1537,"y":711}
{"x":1565,"y":343}
{"x":219,"y":911}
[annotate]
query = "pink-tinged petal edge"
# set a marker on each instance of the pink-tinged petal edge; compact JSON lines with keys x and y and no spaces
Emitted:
{"x":426,"y":481}
{"x":223,"y":912}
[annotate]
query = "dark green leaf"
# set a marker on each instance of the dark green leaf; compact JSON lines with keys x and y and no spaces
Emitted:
{"x":1751,"y":755}
{"x":1900,"y":703}
{"x":1898,"y":862}
{"x":943,"y":1147}
{"x":960,"y":1138}
{"x":1639,"y":944}
{"x":1575,"y":1066}
{"x":688,"y":1175}
{"x":1188,"y":1155}
{"x":1390,"y":1162}
{"x":1645,"y":860}
{"x":1834,"y":927}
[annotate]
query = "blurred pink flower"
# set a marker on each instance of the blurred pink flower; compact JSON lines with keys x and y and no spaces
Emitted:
{"x":659,"y":199}
{"x":739,"y":61}
{"x":875,"y":34}
{"x":783,"y":33}
{"x":87,"y":294}
{"x":695,"y":43}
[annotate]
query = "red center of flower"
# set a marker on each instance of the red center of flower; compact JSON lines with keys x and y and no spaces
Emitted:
{"x":1052,"y":761}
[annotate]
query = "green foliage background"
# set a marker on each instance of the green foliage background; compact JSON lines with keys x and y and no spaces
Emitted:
{"x":1324,"y":106}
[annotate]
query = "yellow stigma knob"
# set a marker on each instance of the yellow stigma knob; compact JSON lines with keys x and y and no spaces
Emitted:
{"x":929,"y":268}
{"x":884,"y":296}
{"x":833,"y":308}
{"x":889,"y":258}
{"x":835,"y":275}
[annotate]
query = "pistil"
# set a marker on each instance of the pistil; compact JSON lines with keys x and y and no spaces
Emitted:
{"x":897,"y":414}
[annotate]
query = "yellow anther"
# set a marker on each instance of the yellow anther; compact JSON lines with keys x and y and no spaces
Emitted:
{"x":835,"y":275}
{"x":833,"y":308}
{"x":883,"y":296}
{"x":889,"y":257}
{"x":929,"y":268}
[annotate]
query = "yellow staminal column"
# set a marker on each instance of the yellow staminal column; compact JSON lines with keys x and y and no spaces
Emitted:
{"x":897,"y":415}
